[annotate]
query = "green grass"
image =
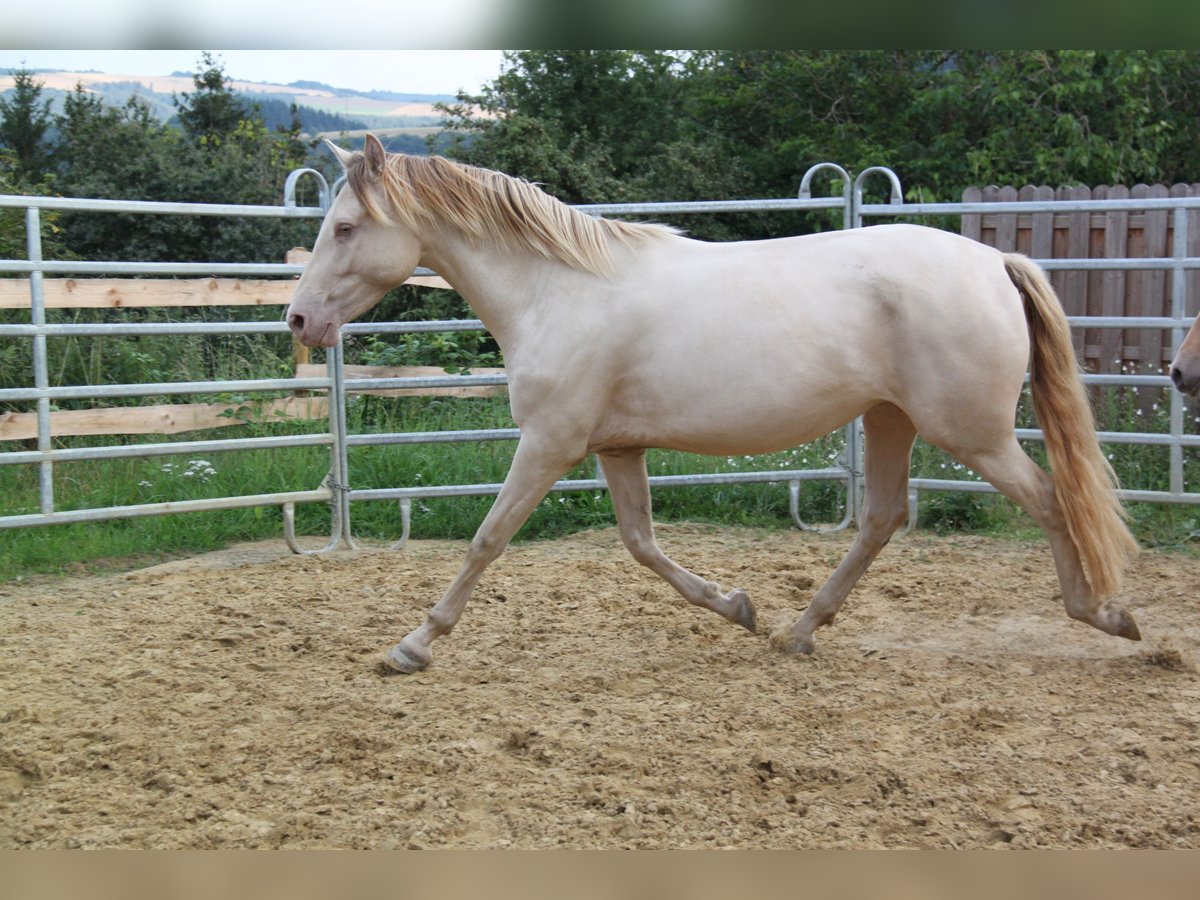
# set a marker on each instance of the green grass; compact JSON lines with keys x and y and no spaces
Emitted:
{"x":183,"y":477}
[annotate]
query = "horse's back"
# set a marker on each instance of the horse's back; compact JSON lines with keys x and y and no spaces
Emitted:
{"x":727,"y":347}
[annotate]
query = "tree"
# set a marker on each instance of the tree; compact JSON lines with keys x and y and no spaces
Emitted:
{"x":612,"y":125}
{"x":215,"y":111}
{"x":222,"y":153}
{"x":582,"y":123}
{"x":24,"y":121}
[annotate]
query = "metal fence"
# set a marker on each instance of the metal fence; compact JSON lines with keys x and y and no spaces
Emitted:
{"x":338,"y":491}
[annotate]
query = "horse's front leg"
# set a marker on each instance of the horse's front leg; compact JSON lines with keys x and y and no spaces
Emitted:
{"x":537,"y":464}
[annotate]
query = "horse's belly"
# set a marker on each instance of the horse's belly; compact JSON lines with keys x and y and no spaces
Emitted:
{"x":724,"y":420}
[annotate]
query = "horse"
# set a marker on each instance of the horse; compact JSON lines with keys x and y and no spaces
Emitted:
{"x":620,"y":336}
{"x":1185,"y":368}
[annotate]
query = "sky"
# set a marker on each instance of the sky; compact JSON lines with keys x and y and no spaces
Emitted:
{"x":406,"y":71}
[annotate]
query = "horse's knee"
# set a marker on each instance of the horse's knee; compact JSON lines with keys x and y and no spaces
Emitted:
{"x":484,"y":549}
{"x":879,"y":524}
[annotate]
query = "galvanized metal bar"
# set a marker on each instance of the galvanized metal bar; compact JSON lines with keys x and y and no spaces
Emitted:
{"x":200,"y":270}
{"x":885,"y":210}
{"x":100,"y":514}
{"x":337,"y":481}
{"x":131,"y":329}
{"x":41,"y":368}
{"x":594,"y":484}
{"x":1178,"y":309}
{"x":705,"y":206}
{"x":983,"y":487}
{"x":159,"y":207}
{"x":289,"y":189}
{"x":82,"y":392}
{"x":180,"y":448}
{"x":433,"y":437}
{"x":1130,"y":264}
{"x":424,"y":381}
{"x":424,"y":327}
{"x":1149,"y":439}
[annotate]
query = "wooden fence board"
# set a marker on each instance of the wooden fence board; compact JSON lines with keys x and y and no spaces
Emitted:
{"x":1091,"y":235}
{"x":140,"y":293}
{"x":161,"y":419}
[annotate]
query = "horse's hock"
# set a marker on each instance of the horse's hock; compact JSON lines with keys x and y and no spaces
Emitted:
{"x":231,"y":701}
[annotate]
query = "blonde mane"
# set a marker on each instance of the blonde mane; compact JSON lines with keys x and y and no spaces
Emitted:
{"x":483,"y":204}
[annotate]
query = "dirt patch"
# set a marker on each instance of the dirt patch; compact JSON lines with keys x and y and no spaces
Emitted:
{"x":234,"y":700}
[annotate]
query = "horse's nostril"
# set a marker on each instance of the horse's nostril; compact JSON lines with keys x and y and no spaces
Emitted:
{"x":1177,"y":376}
{"x":296,"y":322}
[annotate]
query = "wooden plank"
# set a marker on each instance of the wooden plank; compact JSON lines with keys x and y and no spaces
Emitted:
{"x":134,"y":293}
{"x":140,"y":293}
{"x":162,"y":419}
{"x":1041,"y":228}
{"x":1006,"y":223}
{"x":1074,"y":289}
{"x":1112,"y":285}
{"x":1154,"y":298}
{"x":498,"y":390}
{"x":972,"y":222}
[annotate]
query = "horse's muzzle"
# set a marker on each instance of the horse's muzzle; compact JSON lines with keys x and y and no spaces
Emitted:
{"x":305,"y":331}
{"x":1186,"y":383}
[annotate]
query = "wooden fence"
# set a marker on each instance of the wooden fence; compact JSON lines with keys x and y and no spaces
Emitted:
{"x":1099,"y":235}
{"x":126,"y":293}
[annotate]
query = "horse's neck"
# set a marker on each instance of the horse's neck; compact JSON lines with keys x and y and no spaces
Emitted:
{"x":502,"y":285}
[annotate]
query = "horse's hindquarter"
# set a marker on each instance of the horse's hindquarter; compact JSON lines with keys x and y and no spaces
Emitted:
{"x":757,"y":346}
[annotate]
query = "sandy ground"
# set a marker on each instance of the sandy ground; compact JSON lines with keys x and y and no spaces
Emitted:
{"x":235,"y":700}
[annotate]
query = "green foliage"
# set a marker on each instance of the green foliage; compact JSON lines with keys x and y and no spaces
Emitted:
{"x":24,"y":121}
{"x":607,"y":126}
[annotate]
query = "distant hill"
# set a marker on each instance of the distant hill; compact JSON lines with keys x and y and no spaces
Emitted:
{"x":323,"y":108}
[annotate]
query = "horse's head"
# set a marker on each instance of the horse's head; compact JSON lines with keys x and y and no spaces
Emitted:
{"x":1185,"y":370}
{"x":360,"y":253}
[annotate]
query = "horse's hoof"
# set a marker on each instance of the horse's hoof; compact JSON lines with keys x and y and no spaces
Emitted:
{"x":1126,"y":625}
{"x":401,"y":659}
{"x":785,"y":640}
{"x":742,"y":610}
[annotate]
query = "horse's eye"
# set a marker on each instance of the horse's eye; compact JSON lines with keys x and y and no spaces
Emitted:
{"x":343,"y":229}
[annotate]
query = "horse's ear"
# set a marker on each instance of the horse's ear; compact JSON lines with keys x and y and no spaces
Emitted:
{"x":375,"y":155}
{"x":343,"y":156}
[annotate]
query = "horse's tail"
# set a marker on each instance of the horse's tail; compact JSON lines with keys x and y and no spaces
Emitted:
{"x":1084,"y":482}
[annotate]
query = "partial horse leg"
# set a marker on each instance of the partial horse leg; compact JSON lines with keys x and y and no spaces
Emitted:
{"x":1020,"y":479}
{"x":630,"y":491}
{"x":889,"y":441}
{"x":536,"y":465}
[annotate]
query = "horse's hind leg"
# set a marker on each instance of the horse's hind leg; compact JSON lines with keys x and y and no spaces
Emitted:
{"x":630,"y":491}
{"x":889,"y":441}
{"x":1020,"y":479}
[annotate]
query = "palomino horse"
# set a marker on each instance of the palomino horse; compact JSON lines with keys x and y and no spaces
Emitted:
{"x":1185,"y":369}
{"x":618,"y":337}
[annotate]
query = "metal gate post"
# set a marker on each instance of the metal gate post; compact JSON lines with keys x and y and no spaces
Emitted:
{"x":339,"y":467}
{"x":850,"y":455}
{"x":338,"y":478}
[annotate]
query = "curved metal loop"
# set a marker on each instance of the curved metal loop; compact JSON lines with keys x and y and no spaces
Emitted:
{"x":805,"y":192}
{"x":897,"y":192}
{"x":794,"y":508}
{"x":405,"y":523}
{"x":324,"y":197}
{"x":914,"y":497}
{"x":289,"y":530}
